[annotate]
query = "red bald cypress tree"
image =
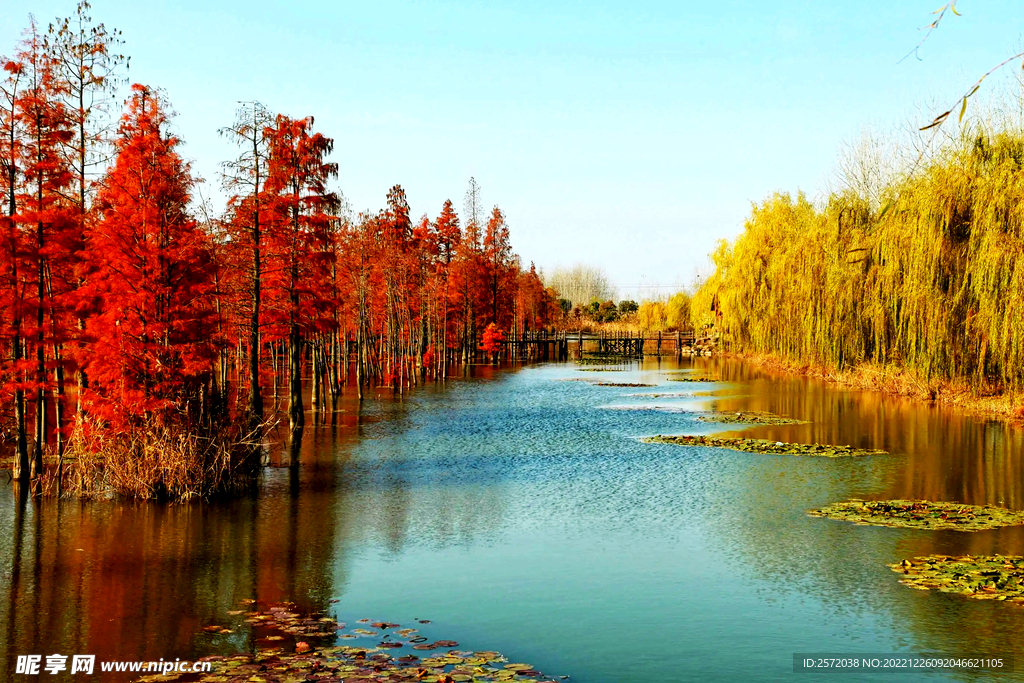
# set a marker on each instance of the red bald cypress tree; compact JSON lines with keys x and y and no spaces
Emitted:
{"x":43,"y":218}
{"x":12,"y":255}
{"x":500,"y":269}
{"x":151,"y":347}
{"x":299,"y":239}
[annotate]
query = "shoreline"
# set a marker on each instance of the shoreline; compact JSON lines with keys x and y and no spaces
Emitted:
{"x":897,"y":382}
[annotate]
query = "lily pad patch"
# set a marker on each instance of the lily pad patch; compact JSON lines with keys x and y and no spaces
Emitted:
{"x":749,"y":417}
{"x":921,"y":514}
{"x":348,"y":663}
{"x":765,"y":446}
{"x":295,"y":647}
{"x":687,"y":377}
{"x":982,"y":577}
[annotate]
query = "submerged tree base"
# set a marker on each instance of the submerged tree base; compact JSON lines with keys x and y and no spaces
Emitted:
{"x":750,"y":418}
{"x":295,"y":647}
{"x":921,"y":514}
{"x":982,"y":577}
{"x":765,"y":446}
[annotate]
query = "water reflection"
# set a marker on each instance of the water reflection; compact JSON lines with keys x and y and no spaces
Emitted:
{"x":948,"y":455}
{"x":943,"y":456}
{"x":138,"y":581}
{"x":519,"y":509}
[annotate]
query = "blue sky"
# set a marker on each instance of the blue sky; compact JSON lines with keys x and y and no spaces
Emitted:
{"x":630,"y":136}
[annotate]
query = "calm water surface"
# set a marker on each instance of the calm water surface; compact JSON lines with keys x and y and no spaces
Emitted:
{"x":519,"y":511}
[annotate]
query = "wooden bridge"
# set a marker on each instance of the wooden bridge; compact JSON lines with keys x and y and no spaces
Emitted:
{"x":557,"y":345}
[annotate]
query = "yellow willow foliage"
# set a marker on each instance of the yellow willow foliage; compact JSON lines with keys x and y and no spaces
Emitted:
{"x":934,"y":282}
{"x":651,"y":316}
{"x":677,"y":311}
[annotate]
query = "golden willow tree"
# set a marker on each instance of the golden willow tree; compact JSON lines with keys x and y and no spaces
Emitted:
{"x":926,"y":273}
{"x":932,"y":282}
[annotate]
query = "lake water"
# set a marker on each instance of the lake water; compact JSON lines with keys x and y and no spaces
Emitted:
{"x":519,"y":511}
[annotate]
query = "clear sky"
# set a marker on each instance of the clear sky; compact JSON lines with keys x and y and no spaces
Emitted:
{"x":628,"y":135}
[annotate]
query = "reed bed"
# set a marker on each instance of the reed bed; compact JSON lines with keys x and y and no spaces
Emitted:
{"x":157,"y":463}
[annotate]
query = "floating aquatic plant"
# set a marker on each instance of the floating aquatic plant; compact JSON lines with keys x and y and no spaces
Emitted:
{"x":921,"y":514}
{"x":295,"y":647}
{"x":765,"y":446}
{"x":983,"y":577}
{"x":687,"y":377}
{"x":752,"y":418}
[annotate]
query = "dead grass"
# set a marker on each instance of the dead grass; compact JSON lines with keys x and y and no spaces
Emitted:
{"x":154,"y":464}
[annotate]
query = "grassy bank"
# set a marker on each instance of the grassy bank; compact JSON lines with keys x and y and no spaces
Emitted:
{"x":919,"y":291}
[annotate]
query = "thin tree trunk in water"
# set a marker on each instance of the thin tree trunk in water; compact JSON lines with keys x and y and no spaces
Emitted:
{"x":58,"y":377}
{"x":314,"y":366}
{"x":22,"y":471}
{"x":346,"y":356}
{"x":296,"y":413}
{"x":81,"y":379}
{"x":40,"y":431}
{"x":21,"y":463}
{"x":399,"y":353}
{"x":421,"y":340}
{"x":359,"y":360}
{"x":276,"y":367}
{"x":40,"y":442}
{"x":333,"y":369}
{"x":255,"y":408}
{"x":444,"y":333}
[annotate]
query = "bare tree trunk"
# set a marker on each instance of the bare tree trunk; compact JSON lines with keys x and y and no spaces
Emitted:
{"x":40,"y":441}
{"x":296,"y":413}
{"x":22,"y":470}
{"x":314,"y":365}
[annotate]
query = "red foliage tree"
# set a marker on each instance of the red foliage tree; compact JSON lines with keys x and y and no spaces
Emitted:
{"x":299,"y":239}
{"x":151,"y":338}
{"x":12,"y":256}
{"x":491,"y":342}
{"x":246,"y":224}
{"x":500,"y":269}
{"x":44,"y":219}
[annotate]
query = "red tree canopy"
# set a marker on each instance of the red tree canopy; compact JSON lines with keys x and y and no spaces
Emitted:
{"x":151,"y":337}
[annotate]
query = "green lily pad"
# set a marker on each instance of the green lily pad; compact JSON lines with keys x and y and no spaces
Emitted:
{"x":749,"y":417}
{"x":921,"y":514}
{"x":982,"y":577}
{"x":307,"y":647}
{"x":689,"y":377}
{"x":765,"y":446}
